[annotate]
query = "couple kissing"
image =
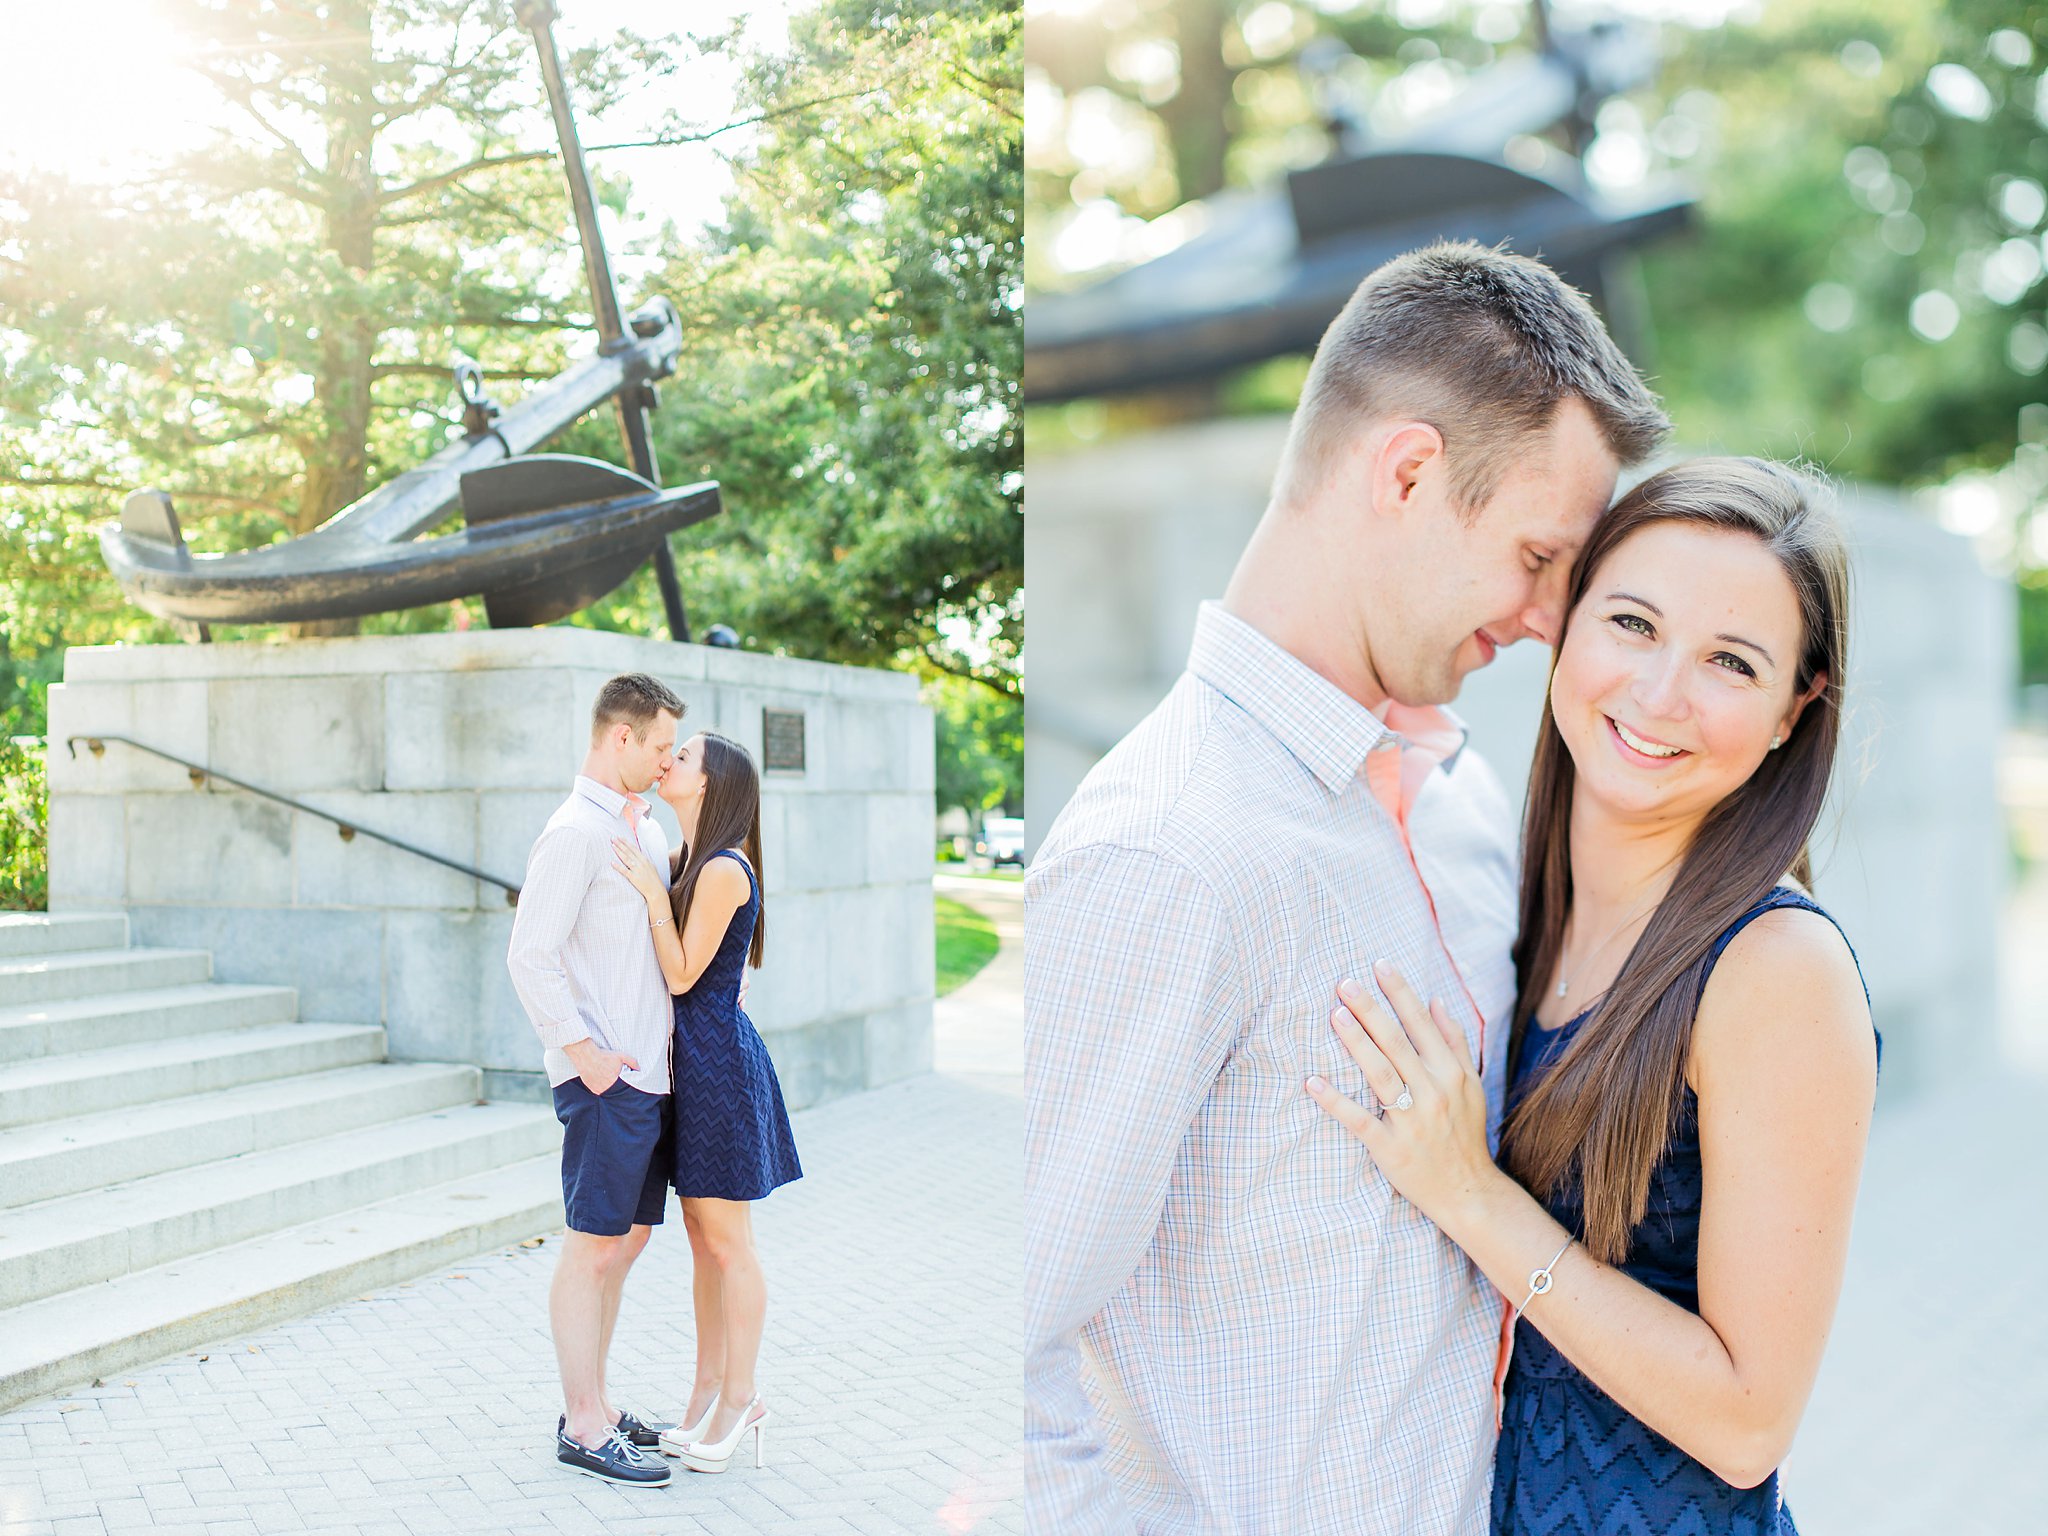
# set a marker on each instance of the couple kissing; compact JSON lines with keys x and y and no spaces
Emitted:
{"x":630,"y":961}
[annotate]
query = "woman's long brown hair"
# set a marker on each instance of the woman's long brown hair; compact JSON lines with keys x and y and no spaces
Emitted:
{"x":1602,"y":1115}
{"x":730,"y":818}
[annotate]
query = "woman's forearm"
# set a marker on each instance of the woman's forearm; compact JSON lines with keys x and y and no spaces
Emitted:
{"x":1663,"y":1364}
{"x":668,"y":946}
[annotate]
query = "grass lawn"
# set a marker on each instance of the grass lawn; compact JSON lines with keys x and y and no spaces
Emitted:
{"x":967,"y":941}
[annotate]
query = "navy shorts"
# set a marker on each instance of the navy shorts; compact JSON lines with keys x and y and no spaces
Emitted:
{"x":615,"y":1156}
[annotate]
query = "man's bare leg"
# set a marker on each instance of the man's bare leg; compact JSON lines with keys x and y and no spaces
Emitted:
{"x":576,"y":1316}
{"x":630,"y":1248}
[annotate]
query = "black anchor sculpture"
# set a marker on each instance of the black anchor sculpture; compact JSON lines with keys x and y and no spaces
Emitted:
{"x":544,"y":534}
{"x":1270,"y":268}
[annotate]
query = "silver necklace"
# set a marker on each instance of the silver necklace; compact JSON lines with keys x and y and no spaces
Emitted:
{"x":1564,"y":983}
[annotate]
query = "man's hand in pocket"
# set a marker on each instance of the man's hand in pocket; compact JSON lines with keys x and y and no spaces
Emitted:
{"x":598,"y":1067}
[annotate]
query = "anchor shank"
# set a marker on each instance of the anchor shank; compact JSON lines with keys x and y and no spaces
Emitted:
{"x":640,"y":453}
{"x":538,"y":16}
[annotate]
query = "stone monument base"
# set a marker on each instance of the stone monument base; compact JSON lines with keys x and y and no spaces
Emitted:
{"x":464,"y":744}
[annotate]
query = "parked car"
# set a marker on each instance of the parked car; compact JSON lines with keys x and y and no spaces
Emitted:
{"x":1002,"y":840}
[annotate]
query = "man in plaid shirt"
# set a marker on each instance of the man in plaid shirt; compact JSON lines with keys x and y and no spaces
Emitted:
{"x":1232,"y":1323}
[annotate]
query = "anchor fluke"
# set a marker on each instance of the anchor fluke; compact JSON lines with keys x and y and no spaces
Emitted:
{"x":150,"y":515}
{"x":571,"y":487}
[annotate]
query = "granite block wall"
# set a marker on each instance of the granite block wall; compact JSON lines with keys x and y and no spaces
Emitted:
{"x":464,"y":744}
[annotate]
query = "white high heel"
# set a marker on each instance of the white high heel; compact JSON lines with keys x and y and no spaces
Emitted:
{"x":716,"y":1455}
{"x":673,"y":1440}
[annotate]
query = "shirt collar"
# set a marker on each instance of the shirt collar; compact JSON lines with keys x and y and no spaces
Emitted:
{"x":1432,"y":729}
{"x":1330,"y":732}
{"x":613,"y":802}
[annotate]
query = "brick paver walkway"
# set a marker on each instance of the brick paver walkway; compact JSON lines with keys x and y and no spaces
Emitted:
{"x":891,"y":1366}
{"x":892,"y":1355}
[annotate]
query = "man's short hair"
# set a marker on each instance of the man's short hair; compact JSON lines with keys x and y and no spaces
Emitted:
{"x":635,"y":698}
{"x":1482,"y":344}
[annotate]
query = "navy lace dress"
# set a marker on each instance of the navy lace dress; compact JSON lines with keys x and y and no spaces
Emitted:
{"x":1572,"y":1462}
{"x":732,"y":1138}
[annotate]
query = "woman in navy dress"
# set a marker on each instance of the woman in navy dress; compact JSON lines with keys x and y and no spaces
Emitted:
{"x":1692,"y":1062}
{"x":732,"y":1140}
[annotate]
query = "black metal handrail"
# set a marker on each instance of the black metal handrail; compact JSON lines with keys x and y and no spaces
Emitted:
{"x":96,"y":744}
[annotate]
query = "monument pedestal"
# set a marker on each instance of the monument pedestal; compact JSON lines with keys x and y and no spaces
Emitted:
{"x":464,"y":744}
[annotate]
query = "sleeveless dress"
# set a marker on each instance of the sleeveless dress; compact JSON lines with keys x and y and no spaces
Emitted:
{"x":732,"y":1138}
{"x":1571,"y":1461}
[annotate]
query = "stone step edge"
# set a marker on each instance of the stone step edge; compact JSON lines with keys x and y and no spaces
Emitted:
{"x":271,"y":1055}
{"x":83,"y":959}
{"x":57,"y":926}
{"x":109,"y":1125}
{"x":103,"y":1005}
{"x":200,"y":1045}
{"x":114,"y":1325}
{"x":198,"y":1192}
{"x":98,"y":973}
{"x":192,"y":1113}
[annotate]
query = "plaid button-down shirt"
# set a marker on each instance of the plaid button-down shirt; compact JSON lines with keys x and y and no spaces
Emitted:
{"x":1279,"y":1343}
{"x":581,"y":957}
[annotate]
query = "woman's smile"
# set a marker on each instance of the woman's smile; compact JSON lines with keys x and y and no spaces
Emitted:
{"x":1644,"y":751}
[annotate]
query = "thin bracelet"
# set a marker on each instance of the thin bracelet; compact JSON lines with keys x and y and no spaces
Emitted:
{"x":1540,"y":1280}
{"x":656,"y":923}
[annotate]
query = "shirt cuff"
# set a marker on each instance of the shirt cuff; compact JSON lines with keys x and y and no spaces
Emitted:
{"x":555,"y":1037}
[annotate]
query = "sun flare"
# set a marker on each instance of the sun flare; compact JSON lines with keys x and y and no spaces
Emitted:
{"x":95,"y":88}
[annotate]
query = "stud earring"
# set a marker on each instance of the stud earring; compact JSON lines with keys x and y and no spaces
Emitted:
{"x":1776,"y":742}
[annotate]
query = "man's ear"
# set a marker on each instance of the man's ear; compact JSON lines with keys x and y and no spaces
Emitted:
{"x":1407,"y":456}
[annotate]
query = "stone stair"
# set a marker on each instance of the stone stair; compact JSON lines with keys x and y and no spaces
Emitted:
{"x":182,"y":1159}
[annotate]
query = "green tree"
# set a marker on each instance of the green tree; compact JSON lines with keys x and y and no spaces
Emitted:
{"x":263,"y":328}
{"x":24,"y":825}
{"x":1864,"y":285}
{"x":980,"y":746}
{"x":1179,"y":100}
{"x":854,"y":346}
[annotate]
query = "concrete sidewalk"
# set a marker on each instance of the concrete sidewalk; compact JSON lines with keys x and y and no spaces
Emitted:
{"x":891,"y":1366}
{"x":1931,"y":1411}
{"x":979,"y":1027}
{"x":892,"y":1359}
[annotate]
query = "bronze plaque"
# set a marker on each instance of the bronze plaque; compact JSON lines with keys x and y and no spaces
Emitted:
{"x":782,"y":740}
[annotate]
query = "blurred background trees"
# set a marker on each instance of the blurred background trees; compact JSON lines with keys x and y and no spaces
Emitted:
{"x":854,"y":353}
{"x":980,"y":747}
{"x":1864,"y":286}
{"x":263,"y":325}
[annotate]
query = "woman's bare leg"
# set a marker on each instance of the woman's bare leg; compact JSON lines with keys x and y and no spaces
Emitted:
{"x":727,"y":1227}
{"x":707,"y":1298}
